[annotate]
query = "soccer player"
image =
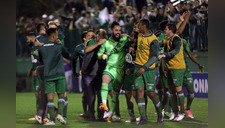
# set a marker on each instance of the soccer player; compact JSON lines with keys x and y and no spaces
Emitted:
{"x":113,"y":50}
{"x":128,"y":83}
{"x":162,"y":84}
{"x":188,"y":80}
{"x":145,"y":71}
{"x":33,"y":43}
{"x":79,"y":53}
{"x":176,"y":67}
{"x":92,"y":69}
{"x":41,"y":29}
{"x":42,"y":115}
{"x":134,"y":92}
{"x":51,"y":54}
{"x":56,"y":25}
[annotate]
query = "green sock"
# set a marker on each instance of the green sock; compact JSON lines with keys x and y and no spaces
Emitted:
{"x":146,"y":95}
{"x":180,"y":96}
{"x":190,"y":98}
{"x":51,"y":107}
{"x":167,"y":108}
{"x":104,"y":91}
{"x":157,"y":105}
{"x":65,"y":107}
{"x":114,"y":102}
{"x":174,"y":103}
{"x":61,"y":102}
{"x":141,"y":107}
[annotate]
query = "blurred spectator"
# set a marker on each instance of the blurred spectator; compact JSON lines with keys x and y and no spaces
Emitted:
{"x":109,"y":4}
{"x":144,"y":13}
{"x":85,"y":22}
{"x":152,"y":12}
{"x":171,"y":13}
{"x":95,"y":15}
{"x":79,"y":14}
{"x":119,"y":14}
{"x":199,"y":38}
{"x":129,"y":17}
{"x":160,"y":15}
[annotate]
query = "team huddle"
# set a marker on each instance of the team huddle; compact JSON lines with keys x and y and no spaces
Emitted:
{"x":122,"y":61}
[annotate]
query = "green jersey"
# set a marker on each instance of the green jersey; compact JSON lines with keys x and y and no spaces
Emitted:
{"x":115,"y":50}
{"x":34,"y":58}
{"x":78,"y":54}
{"x":42,"y":38}
{"x":161,"y":48}
{"x":162,"y":37}
{"x":185,"y":51}
{"x":51,"y":54}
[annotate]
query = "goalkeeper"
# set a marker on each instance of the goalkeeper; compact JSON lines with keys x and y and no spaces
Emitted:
{"x":113,"y":50}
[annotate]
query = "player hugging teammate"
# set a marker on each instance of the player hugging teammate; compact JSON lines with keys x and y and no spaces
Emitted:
{"x":127,"y":62}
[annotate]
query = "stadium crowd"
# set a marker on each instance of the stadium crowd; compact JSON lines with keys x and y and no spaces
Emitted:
{"x":81,"y":15}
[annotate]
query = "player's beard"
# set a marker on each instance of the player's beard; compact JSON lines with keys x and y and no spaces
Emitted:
{"x":116,"y":38}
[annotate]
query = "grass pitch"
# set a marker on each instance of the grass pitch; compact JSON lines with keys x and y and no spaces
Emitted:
{"x":25,"y":108}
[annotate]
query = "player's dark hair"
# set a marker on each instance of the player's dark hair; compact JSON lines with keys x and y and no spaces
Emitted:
{"x":83,"y":35}
{"x":31,"y":34}
{"x":172,"y":27}
{"x":51,"y":31}
{"x":157,"y":33}
{"x":40,"y":25}
{"x":114,"y":23}
{"x":145,"y":22}
{"x":163,"y":24}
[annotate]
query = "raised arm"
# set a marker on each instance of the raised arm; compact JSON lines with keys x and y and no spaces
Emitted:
{"x":91,"y":47}
{"x":191,"y":56}
{"x":182,"y":27}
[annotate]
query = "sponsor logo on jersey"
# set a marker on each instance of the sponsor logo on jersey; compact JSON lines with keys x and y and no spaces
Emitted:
{"x":48,"y":44}
{"x":174,"y":80}
{"x":141,"y":48}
